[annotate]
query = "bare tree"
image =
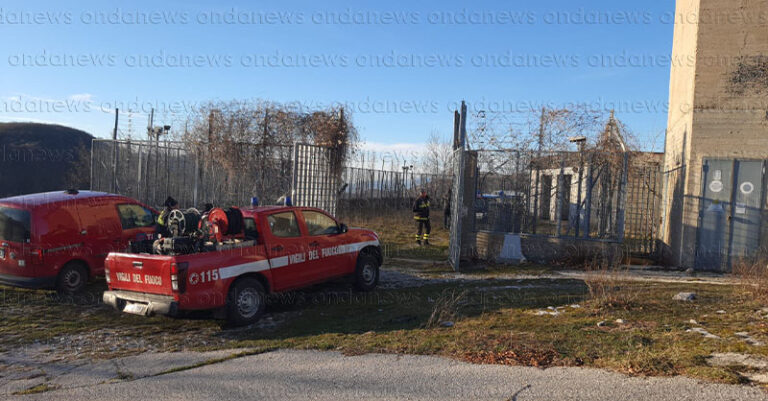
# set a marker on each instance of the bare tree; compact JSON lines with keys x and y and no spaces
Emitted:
{"x":437,"y":155}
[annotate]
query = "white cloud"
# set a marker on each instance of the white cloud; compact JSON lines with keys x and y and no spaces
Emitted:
{"x":81,"y":97}
{"x":31,"y":120}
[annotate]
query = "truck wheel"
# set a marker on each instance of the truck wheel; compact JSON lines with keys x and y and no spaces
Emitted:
{"x":72,"y":279}
{"x":245,"y":303}
{"x":367,"y":273}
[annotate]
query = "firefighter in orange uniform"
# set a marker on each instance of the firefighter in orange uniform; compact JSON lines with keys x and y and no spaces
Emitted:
{"x":421,"y":215}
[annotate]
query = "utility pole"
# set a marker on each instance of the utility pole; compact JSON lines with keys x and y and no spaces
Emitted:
{"x":114,"y":153}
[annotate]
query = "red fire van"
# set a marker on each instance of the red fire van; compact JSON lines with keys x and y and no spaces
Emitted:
{"x":60,"y":239}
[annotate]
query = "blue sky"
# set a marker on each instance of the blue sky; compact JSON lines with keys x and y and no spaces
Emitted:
{"x":505,"y":55}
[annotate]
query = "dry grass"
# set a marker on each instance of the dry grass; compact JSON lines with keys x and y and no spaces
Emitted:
{"x":397,"y":228}
{"x":754,"y":277}
{"x":495,"y":321}
{"x":608,"y":287}
{"x":446,"y":308}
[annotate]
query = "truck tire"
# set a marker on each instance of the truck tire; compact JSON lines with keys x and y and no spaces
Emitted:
{"x":245,"y":302}
{"x":367,"y":272}
{"x":72,"y":279}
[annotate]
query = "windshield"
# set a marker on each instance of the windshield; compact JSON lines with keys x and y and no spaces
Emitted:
{"x":14,"y":224}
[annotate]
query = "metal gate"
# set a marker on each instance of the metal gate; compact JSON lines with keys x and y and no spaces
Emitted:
{"x":731,"y":213}
{"x":316,"y":177}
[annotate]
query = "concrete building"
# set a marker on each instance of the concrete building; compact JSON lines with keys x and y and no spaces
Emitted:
{"x":717,"y":136}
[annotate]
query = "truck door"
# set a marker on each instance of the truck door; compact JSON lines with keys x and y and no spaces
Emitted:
{"x":328,"y":253}
{"x":287,"y":251}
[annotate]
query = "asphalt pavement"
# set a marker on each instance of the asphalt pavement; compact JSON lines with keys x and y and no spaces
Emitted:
{"x":314,"y":375}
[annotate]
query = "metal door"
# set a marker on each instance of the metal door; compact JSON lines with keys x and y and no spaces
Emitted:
{"x":711,"y":244}
{"x":316,"y":177}
{"x":731,"y":213}
{"x":746,"y":210}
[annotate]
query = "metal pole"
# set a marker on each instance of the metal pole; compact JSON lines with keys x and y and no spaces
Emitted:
{"x":456,"y":129}
{"x":294,"y":175}
{"x":560,"y":196}
{"x":538,"y":171}
{"x":622,"y":199}
{"x":93,"y":143}
{"x":197,"y":177}
{"x":149,"y":155}
{"x":536,"y":199}
{"x":578,"y":196}
{"x":168,"y":171}
{"x":139,"y":171}
{"x":516,"y":224}
{"x":114,"y":153}
{"x":588,"y":201}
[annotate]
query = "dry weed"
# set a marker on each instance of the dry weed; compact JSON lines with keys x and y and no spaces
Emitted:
{"x":608,"y":286}
{"x":446,"y":308}
{"x":754,"y":277}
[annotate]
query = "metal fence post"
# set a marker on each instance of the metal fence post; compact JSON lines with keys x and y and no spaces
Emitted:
{"x":560,"y":192}
{"x":536,"y":199}
{"x":93,"y":145}
{"x":588,"y":200}
{"x":114,"y":153}
{"x":578,"y":195}
{"x":621,"y":204}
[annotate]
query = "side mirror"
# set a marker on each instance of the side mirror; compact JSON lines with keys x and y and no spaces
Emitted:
{"x":343,"y":228}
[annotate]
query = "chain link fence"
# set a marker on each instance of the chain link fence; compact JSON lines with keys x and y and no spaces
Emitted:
{"x":151,"y":171}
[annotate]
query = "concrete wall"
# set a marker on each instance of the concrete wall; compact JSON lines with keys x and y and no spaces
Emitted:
{"x":708,"y":118}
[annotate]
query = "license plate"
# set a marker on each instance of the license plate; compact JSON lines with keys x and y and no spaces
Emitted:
{"x":136,"y":309}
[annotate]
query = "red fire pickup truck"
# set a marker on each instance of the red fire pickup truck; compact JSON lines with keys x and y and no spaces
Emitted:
{"x":229,"y":260}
